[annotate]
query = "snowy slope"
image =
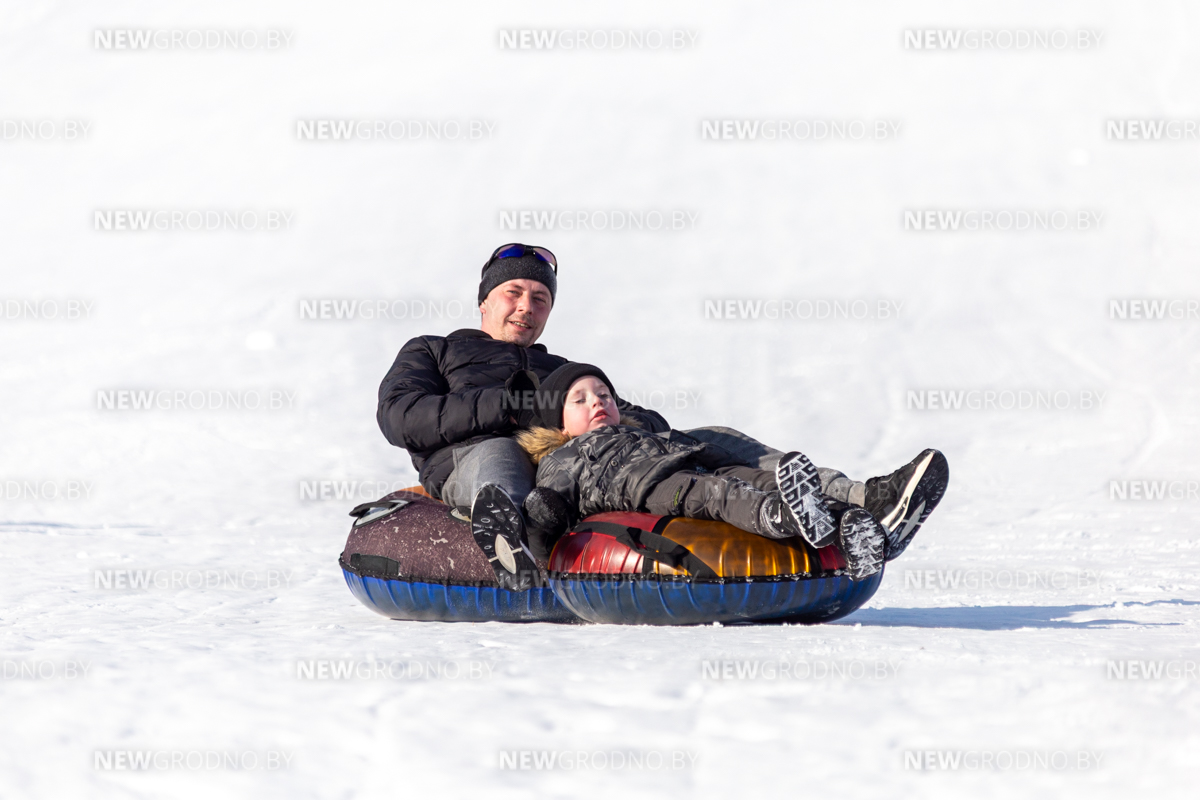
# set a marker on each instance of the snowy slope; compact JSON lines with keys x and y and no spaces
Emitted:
{"x":995,"y":637}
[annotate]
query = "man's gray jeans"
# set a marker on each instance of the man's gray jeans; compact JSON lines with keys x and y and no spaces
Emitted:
{"x":498,"y":461}
{"x":502,"y":462}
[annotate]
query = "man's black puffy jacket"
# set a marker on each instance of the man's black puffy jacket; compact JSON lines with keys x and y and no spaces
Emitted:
{"x":444,"y":392}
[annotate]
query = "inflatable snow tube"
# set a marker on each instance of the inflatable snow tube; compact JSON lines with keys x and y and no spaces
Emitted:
{"x":408,"y":557}
{"x":642,"y":569}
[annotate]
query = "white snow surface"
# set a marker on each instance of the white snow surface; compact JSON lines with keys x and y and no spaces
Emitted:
{"x":995,"y":637}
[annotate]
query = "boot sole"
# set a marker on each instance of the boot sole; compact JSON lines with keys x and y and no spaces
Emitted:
{"x":862,"y":541}
{"x":499,"y":531}
{"x":800,"y":486}
{"x":921,"y":495}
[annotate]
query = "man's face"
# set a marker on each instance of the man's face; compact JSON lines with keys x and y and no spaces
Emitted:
{"x":516,"y":311}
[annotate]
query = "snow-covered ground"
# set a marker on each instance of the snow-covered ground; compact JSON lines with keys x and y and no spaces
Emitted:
{"x":989,"y":663}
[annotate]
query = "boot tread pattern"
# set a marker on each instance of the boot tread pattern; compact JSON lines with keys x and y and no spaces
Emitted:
{"x":800,"y":486}
{"x":497,"y":526}
{"x":863,"y":542}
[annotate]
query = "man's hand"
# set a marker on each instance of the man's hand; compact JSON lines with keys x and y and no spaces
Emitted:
{"x":519,"y":392}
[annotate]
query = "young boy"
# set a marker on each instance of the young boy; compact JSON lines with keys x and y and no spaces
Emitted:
{"x":589,"y":461}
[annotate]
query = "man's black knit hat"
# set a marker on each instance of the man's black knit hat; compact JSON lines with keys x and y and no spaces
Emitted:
{"x":552,"y":394}
{"x":529,"y":266}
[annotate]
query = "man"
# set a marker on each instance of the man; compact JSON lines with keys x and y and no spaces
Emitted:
{"x":454,"y":403}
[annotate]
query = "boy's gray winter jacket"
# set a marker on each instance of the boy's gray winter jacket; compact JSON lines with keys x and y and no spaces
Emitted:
{"x":616,"y":467}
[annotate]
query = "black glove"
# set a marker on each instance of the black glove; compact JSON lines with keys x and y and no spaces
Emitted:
{"x":519,"y":392}
{"x":549,"y":518}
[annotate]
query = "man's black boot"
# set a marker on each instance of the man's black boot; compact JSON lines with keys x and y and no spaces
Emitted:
{"x":499,"y":531}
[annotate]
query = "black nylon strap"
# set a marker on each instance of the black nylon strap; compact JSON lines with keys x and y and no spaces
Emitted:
{"x":652,"y":548}
{"x":375,"y":565}
{"x":662,"y":524}
{"x":659,"y":527}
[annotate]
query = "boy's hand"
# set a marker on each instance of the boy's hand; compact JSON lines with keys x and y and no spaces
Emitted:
{"x":549,"y":517}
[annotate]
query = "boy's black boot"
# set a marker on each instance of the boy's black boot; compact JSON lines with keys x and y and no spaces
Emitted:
{"x":861,"y":539}
{"x":800,"y":486}
{"x":903,"y":500}
{"x":499,"y":531}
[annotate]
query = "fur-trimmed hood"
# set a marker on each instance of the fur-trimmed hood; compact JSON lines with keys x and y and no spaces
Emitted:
{"x":541,"y":442}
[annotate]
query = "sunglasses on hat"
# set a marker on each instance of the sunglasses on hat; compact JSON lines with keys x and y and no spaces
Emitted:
{"x":516,"y":250}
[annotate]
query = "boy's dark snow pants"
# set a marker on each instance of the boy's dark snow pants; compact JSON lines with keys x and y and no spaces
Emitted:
{"x":729,"y":494}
